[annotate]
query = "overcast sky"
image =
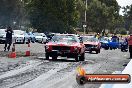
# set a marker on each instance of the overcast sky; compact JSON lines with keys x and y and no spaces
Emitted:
{"x":124,"y":3}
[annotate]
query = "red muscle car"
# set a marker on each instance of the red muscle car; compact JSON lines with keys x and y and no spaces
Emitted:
{"x":65,"y":45}
{"x":92,"y":44}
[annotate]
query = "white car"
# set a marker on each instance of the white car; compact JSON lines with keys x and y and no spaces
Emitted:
{"x":20,"y":36}
{"x":40,"y":37}
{"x":2,"y":35}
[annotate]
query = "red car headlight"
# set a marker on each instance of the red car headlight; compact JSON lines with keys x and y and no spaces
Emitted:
{"x":74,"y":49}
{"x":46,"y":47}
{"x":95,"y":46}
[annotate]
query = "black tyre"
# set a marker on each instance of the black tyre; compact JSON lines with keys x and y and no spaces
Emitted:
{"x":54,"y":57}
{"x":33,"y":41}
{"x":76,"y":58}
{"x":110,"y":48}
{"x":126,"y":50}
{"x":121,"y":49}
{"x":42,"y":41}
{"x":15,"y":41}
{"x":82,"y":57}
{"x":47,"y":56}
{"x":90,"y":51}
{"x":99,"y":51}
{"x":106,"y":48}
{"x":23,"y":41}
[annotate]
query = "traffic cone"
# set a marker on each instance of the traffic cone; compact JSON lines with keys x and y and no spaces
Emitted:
{"x":28,"y":51}
{"x":13,"y":53}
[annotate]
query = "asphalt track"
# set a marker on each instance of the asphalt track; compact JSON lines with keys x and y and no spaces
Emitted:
{"x":36,"y":72}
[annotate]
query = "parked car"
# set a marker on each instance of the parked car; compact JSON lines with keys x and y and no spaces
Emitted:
{"x":65,"y":45}
{"x":2,"y":35}
{"x":31,"y":37}
{"x":81,"y":37}
{"x":21,"y":36}
{"x":50,"y":35}
{"x":26,"y":37}
{"x":92,"y":44}
{"x":40,"y":37}
{"x":104,"y":42}
{"x":123,"y":45}
{"x":114,"y":43}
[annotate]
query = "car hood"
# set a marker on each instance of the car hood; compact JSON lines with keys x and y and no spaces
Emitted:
{"x":38,"y":37}
{"x":17,"y":35}
{"x":63,"y":44}
{"x":91,"y":43}
{"x":113,"y":42}
{"x":104,"y":41}
{"x":31,"y":35}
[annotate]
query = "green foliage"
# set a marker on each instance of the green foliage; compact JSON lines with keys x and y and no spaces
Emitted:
{"x":128,"y":17}
{"x":64,"y":15}
{"x":123,"y":31}
{"x":102,"y":14}
{"x":9,"y":12}
{"x":53,"y":15}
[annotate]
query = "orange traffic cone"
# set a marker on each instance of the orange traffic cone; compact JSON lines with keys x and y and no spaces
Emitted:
{"x":13,"y":53}
{"x":28,"y":51}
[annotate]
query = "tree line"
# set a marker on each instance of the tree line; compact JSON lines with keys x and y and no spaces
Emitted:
{"x":65,"y":15}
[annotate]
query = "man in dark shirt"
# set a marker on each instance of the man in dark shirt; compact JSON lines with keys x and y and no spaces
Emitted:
{"x":9,"y":32}
{"x":115,"y":38}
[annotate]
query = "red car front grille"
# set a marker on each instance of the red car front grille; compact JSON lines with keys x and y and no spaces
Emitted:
{"x":89,"y":45}
{"x":60,"y":48}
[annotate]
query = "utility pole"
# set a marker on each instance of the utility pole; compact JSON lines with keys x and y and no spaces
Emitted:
{"x":84,"y":25}
{"x":86,"y":11}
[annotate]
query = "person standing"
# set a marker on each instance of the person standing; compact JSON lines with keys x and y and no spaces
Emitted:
{"x":115,"y":38}
{"x":130,"y":45}
{"x":9,"y":32}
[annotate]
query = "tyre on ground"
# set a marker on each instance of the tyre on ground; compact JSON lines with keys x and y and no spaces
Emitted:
{"x":110,"y":48}
{"x":82,"y":57}
{"x":47,"y":56}
{"x":54,"y":57}
{"x":76,"y":58}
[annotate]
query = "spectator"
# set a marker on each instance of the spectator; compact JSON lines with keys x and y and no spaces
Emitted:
{"x":130,"y":45}
{"x":115,"y":38}
{"x":9,"y":32}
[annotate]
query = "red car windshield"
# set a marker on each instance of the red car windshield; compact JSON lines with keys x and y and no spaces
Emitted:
{"x":86,"y":39}
{"x":65,"y":38}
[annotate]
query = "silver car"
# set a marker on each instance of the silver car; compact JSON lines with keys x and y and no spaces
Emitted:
{"x":2,"y":35}
{"x":40,"y":37}
{"x":21,"y":36}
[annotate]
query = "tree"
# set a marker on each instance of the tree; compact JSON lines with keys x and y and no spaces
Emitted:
{"x":123,"y":31}
{"x":10,"y":12}
{"x":51,"y":15}
{"x":102,"y":14}
{"x":128,"y":17}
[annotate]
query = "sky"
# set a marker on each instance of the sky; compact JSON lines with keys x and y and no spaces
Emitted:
{"x":124,"y":3}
